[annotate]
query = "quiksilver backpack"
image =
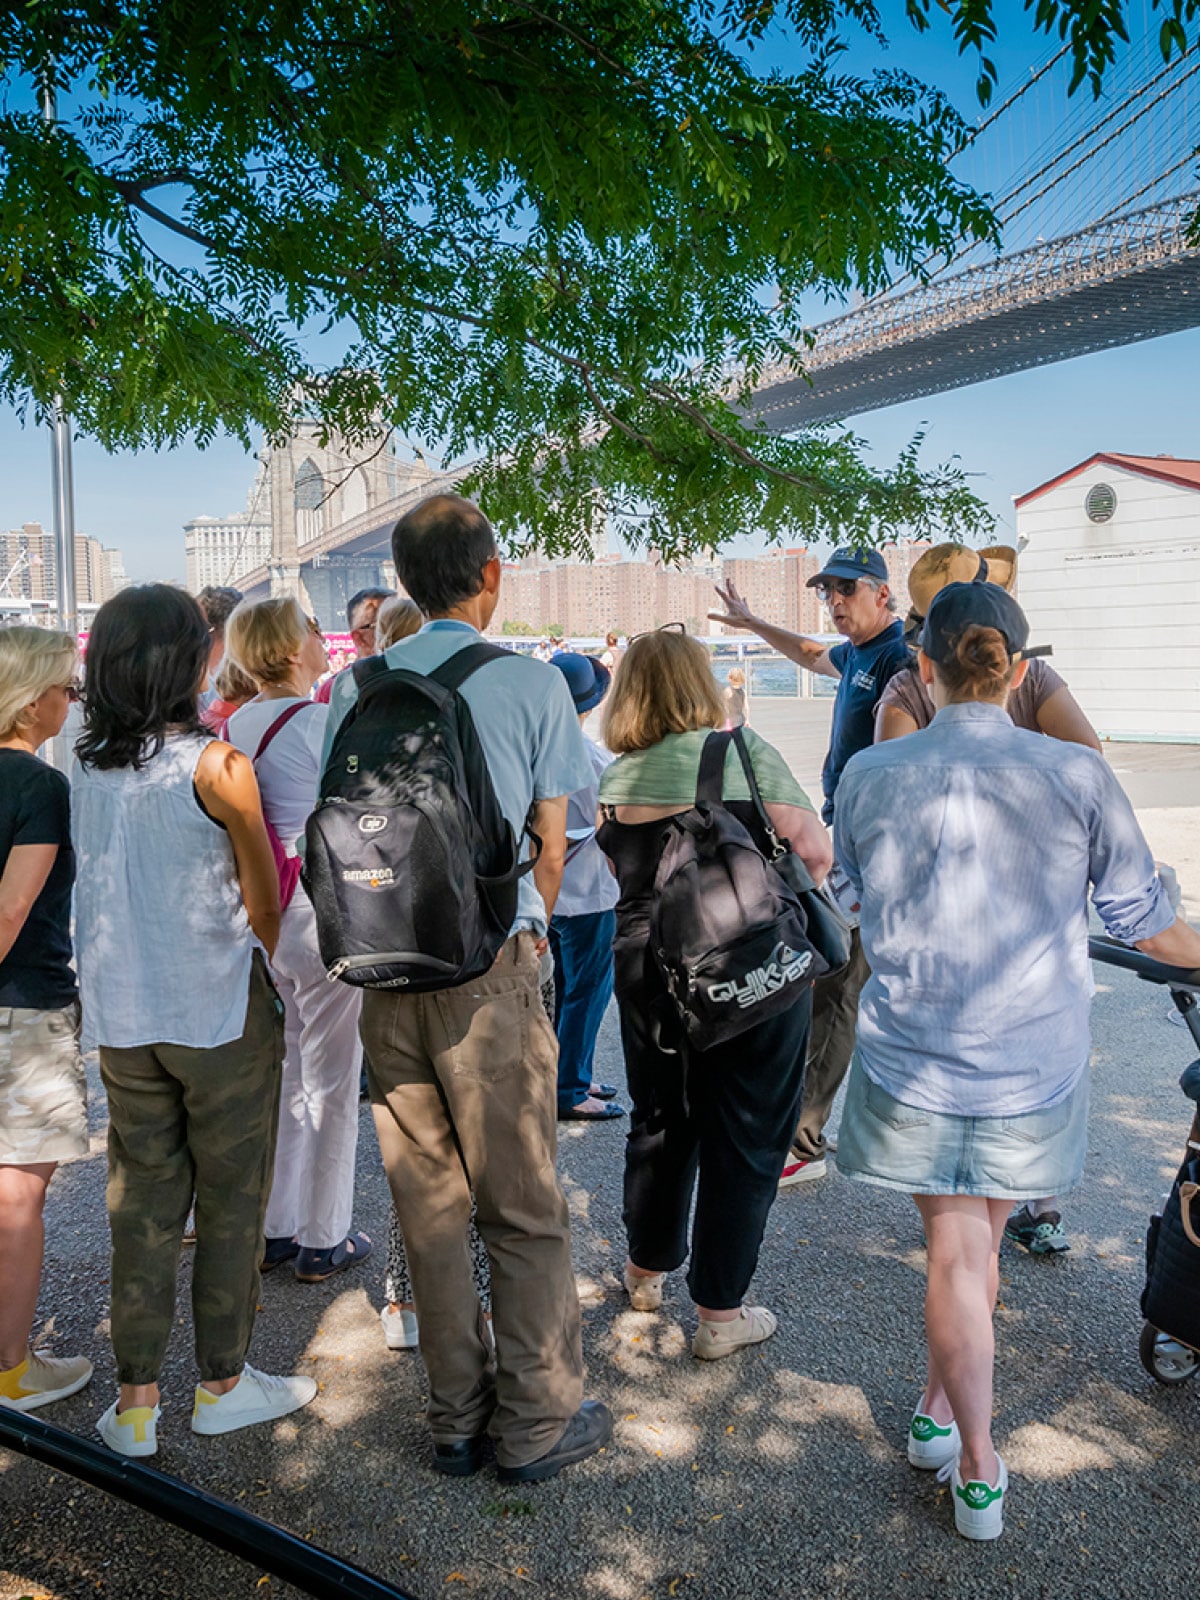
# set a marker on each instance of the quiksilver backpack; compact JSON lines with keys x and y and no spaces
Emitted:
{"x":727,"y":931}
{"x":410,"y":864}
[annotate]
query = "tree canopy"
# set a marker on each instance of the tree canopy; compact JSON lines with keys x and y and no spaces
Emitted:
{"x":559,"y":238}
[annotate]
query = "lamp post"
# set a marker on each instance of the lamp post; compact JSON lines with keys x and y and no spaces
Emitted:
{"x":60,"y":447}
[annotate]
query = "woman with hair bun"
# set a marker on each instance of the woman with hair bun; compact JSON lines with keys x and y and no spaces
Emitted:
{"x":969,"y":1085}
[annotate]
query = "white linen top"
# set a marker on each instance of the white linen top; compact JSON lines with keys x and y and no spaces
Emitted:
{"x":162,"y":939}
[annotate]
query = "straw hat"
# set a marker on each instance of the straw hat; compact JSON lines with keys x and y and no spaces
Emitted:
{"x":954,"y":563}
{"x":1001,"y":565}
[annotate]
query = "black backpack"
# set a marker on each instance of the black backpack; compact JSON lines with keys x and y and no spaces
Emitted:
{"x":410,"y":863}
{"x":728,"y":933}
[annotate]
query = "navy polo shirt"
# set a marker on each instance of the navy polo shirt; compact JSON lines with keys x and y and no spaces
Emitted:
{"x":866,"y":670}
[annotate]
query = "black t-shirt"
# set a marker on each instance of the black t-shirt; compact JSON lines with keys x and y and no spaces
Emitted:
{"x":35,"y":808}
{"x":866,"y":670}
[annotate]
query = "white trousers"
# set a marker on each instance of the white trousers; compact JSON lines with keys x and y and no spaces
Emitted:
{"x":312,"y":1195}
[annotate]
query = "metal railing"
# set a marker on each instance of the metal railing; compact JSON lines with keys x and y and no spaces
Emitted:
{"x":310,"y":1569}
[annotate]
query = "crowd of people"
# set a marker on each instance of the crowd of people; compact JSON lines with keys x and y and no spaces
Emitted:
{"x":967,"y":817}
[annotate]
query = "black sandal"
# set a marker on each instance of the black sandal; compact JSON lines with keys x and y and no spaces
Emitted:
{"x":314,"y":1266}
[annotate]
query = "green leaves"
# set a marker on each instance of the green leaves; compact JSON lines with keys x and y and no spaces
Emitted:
{"x":559,"y":239}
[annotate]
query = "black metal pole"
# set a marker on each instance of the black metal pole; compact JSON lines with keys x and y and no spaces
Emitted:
{"x":314,"y":1571}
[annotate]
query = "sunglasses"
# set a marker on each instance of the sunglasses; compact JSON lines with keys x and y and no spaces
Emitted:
{"x":73,"y":692}
{"x":667,"y":627}
{"x":314,"y":627}
{"x":843,"y":586}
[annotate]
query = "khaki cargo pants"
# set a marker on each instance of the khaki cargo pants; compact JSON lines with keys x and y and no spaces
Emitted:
{"x":464,"y":1086}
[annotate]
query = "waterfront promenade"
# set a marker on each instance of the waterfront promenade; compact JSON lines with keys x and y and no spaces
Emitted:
{"x":779,"y":1473}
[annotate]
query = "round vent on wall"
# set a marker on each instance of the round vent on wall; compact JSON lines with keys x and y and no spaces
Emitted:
{"x":1100,"y":504}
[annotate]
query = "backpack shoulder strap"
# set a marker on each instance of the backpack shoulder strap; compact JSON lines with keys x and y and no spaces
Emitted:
{"x":456,"y":669}
{"x":277,"y":726}
{"x":368,"y":667}
{"x":710,"y":780}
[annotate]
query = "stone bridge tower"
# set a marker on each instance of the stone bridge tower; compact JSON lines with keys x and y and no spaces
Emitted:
{"x":315,"y":487}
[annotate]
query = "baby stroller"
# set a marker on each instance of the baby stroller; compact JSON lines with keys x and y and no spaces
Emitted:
{"x":1170,"y":1344}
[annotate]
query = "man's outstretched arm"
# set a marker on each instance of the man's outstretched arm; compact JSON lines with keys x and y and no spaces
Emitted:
{"x":797,"y":647}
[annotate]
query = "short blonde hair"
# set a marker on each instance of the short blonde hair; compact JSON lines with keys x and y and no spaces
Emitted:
{"x":735,"y":678}
{"x":262,"y":635}
{"x":397,"y":618}
{"x":32,"y":660}
{"x":664,"y":684}
{"x":233,"y":684}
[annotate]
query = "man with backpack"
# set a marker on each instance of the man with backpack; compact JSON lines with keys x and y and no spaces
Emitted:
{"x":437,"y":769}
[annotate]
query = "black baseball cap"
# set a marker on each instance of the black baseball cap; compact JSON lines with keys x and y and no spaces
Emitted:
{"x":852,"y":563}
{"x":959,"y":606}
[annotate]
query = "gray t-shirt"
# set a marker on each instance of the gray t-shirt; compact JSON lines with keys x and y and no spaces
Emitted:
{"x":912,"y":697}
{"x":526,"y":722}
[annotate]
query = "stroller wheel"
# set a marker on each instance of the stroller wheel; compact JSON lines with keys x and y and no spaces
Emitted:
{"x":1164,"y":1358}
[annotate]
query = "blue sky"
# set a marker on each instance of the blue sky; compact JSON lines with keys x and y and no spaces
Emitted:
{"x":1010,"y":434}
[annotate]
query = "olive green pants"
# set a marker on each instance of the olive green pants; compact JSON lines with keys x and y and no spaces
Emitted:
{"x":184,"y":1122}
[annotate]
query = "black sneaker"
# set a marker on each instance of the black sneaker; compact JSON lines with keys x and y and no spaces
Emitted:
{"x":589,"y":1430}
{"x":1041,"y":1235}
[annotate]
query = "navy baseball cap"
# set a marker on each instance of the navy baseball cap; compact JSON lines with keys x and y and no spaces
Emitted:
{"x":960,"y":605}
{"x":587,"y":678}
{"x":852,"y":563}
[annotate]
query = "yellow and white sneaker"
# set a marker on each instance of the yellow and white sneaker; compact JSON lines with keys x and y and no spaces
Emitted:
{"x":256,"y":1397}
{"x":978,"y":1506}
{"x":133,"y":1432}
{"x":40,"y":1379}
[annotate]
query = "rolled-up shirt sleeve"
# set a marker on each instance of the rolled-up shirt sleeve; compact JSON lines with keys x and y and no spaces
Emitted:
{"x":1126,"y":890}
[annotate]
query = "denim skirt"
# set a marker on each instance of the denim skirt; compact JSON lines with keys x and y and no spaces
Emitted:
{"x":897,"y":1146}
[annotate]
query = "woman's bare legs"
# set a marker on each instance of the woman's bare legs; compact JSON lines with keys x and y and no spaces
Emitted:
{"x":22,"y":1240}
{"x":963,"y":1234}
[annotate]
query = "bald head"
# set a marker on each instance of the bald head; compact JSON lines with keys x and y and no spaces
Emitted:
{"x":440,"y":549}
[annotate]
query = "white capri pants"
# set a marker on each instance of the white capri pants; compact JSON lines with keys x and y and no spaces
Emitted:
{"x":312,"y":1195}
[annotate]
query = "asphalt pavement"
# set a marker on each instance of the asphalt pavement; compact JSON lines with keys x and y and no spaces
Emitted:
{"x":778,"y":1472}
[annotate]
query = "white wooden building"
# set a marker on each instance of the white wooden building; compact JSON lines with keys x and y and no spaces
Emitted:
{"x":1109,"y":575}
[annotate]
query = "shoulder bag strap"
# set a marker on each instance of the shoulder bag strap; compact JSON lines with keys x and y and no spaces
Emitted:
{"x":710,"y":779}
{"x":778,"y":848}
{"x":278,"y":726}
{"x":456,"y":669}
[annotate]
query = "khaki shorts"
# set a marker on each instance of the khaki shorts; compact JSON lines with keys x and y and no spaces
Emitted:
{"x":43,"y":1087}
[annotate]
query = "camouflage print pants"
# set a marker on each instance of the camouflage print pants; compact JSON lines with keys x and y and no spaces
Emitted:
{"x":184,"y":1121}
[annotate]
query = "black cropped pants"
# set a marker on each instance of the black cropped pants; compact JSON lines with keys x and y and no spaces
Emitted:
{"x":721,"y":1127}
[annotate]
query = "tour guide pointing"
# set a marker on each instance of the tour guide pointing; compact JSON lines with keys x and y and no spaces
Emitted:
{"x":854,"y":586}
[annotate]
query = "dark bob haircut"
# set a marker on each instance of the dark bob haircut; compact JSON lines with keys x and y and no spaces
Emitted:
{"x":146,"y":656}
{"x":440,"y":549}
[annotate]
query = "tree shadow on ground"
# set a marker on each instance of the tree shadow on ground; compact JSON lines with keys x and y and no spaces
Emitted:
{"x":778,"y":1472}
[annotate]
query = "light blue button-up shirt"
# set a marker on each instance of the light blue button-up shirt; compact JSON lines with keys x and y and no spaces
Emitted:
{"x":526,"y":722}
{"x":973,"y":845}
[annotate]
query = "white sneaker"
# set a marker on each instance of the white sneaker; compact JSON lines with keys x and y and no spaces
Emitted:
{"x":645,"y":1294}
{"x":133,"y":1433}
{"x":400,"y":1330}
{"x":712,"y":1340}
{"x":930,"y":1445}
{"x":257,"y":1397}
{"x":796,"y":1170}
{"x":978,"y":1506}
{"x":40,"y":1379}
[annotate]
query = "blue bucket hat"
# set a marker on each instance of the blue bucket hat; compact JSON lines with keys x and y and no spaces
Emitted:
{"x":587,"y":678}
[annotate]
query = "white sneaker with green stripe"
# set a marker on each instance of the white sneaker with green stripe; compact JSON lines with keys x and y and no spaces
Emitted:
{"x":931,"y":1444}
{"x":978,"y":1506}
